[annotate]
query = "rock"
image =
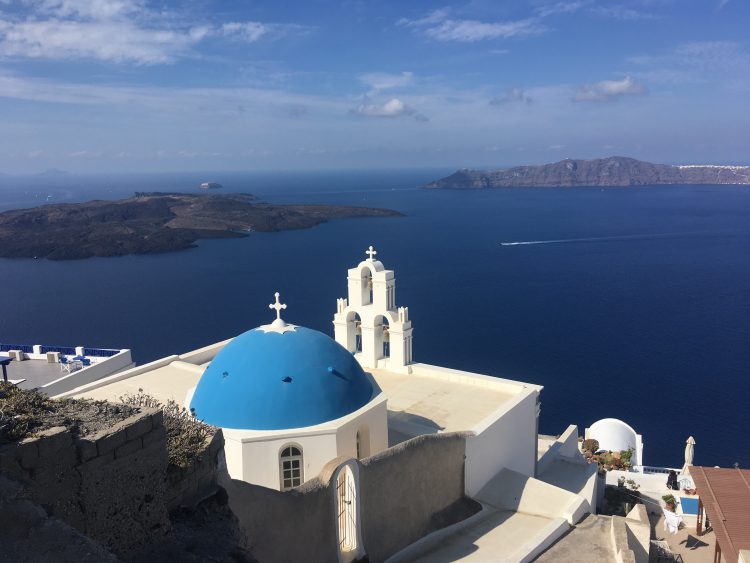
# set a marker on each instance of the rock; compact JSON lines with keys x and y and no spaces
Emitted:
{"x":613,"y":171}
{"x":153,"y":222}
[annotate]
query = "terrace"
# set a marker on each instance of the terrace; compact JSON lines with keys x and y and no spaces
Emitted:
{"x":56,"y":369}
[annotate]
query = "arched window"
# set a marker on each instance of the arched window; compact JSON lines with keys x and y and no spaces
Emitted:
{"x":290,"y":467}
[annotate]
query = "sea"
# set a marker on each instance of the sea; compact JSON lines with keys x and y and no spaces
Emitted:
{"x":631,"y":303}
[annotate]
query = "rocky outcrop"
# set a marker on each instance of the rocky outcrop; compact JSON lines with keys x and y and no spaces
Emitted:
{"x":613,"y":171}
{"x":153,"y":222}
{"x":29,"y":534}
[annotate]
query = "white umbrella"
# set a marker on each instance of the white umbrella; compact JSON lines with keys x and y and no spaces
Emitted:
{"x":689,"y":451}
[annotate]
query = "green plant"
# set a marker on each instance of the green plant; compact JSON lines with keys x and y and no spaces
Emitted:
{"x":632,"y":485}
{"x":627,"y":458}
{"x":669,"y":500}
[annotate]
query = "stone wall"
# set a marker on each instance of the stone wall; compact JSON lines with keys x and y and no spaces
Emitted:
{"x":411,"y":490}
{"x":110,"y":485}
{"x":187,"y":487}
{"x":297,"y":525}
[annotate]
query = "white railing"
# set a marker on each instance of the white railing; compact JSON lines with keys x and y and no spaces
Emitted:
{"x":646,"y":469}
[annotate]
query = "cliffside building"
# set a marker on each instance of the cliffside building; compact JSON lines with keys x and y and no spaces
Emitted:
{"x":297,"y":406}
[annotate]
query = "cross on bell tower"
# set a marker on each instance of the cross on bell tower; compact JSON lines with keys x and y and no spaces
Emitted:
{"x":371,"y":252}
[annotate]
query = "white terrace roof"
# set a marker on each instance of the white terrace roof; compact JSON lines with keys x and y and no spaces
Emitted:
{"x":433,"y":399}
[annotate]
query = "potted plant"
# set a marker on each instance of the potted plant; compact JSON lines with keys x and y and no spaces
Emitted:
{"x":670,"y":501}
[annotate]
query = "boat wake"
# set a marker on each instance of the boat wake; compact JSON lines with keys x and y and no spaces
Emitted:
{"x":596,"y":239}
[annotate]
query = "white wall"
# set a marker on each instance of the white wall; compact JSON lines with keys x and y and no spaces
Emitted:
{"x":253,"y":456}
{"x":100,"y":369}
{"x":509,"y":440}
{"x":615,"y":435}
{"x":257,"y":462}
{"x":376,"y":422}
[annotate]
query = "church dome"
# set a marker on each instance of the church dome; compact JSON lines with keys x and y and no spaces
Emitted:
{"x":280,"y":376}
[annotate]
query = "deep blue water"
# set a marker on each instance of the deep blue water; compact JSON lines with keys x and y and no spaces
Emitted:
{"x":653,"y":327}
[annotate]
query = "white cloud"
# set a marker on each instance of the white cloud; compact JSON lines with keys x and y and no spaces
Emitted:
{"x":436,"y":16}
{"x":116,"y":41}
{"x":252,"y":31}
{"x":560,"y":8}
{"x":622,"y":13}
{"x":608,"y":90}
{"x":92,"y":9}
{"x":115,"y":31}
{"x":379,"y":81}
{"x":511,"y":96}
{"x":437,"y":25}
{"x":697,"y":61}
{"x":392,"y":108}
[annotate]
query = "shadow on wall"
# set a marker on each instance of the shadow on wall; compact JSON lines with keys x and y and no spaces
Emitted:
{"x":403,"y":426}
{"x":418,"y":484}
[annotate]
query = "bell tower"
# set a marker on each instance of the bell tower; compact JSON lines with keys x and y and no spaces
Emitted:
{"x":368,"y":323}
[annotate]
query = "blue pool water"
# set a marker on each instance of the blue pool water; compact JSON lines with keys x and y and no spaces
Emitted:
{"x":635,"y":305}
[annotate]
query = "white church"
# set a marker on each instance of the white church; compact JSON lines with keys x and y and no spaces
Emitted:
{"x":295,"y":404}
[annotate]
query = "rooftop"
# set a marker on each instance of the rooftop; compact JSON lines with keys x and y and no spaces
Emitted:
{"x":433,"y":399}
{"x":30,"y":374}
{"x":725,"y":494}
{"x":170,"y":381}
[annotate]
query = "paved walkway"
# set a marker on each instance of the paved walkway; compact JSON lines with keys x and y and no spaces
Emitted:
{"x":589,"y":540}
{"x":488,"y":540}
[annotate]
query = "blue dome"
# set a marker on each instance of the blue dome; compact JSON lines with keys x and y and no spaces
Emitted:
{"x":272,"y":381}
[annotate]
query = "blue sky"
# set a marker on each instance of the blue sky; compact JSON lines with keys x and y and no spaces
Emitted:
{"x":116,"y":85}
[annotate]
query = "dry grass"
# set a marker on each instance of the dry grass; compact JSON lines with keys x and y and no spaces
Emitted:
{"x":186,"y":435}
{"x":24,"y":412}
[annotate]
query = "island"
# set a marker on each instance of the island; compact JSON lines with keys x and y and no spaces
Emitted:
{"x":211,"y":186}
{"x":152,"y":222}
{"x":612,"y":171}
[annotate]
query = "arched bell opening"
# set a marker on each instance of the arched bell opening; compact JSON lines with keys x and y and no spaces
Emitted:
{"x":382,"y":337}
{"x":354,"y":332}
{"x":366,"y":285}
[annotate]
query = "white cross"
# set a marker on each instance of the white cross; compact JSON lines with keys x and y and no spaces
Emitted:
{"x":278,"y":306}
{"x":371,"y":252}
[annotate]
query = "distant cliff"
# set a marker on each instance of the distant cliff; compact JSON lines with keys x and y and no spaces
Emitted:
{"x":613,"y":171}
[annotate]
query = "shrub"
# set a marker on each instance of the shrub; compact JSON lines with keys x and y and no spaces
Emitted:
{"x":186,"y":435}
{"x":20,"y":412}
{"x":591,"y":445}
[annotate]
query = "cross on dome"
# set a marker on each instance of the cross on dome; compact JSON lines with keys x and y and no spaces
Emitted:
{"x":278,"y":325}
{"x":371,"y":252}
{"x":278,"y":306}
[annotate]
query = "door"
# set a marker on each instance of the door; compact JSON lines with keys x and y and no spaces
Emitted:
{"x":347,"y":515}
